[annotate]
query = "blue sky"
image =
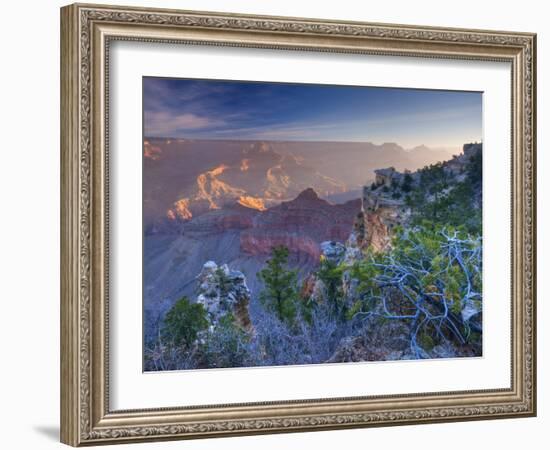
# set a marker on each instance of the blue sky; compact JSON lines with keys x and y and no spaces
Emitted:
{"x":212,"y":109}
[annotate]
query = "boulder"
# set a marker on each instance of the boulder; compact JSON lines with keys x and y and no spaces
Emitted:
{"x":357,"y":349}
{"x":333,"y":251}
{"x":223,"y":291}
{"x":350,"y":349}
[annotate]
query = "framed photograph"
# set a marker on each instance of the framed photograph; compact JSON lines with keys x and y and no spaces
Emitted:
{"x":274,"y":224}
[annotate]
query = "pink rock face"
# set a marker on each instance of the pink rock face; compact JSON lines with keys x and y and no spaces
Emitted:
{"x":219,"y":221}
{"x":301,"y":225}
{"x":234,"y":221}
{"x":244,"y":237}
{"x":255,"y":245}
{"x":377,"y":232}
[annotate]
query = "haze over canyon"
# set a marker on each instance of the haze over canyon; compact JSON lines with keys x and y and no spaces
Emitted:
{"x":186,"y":178}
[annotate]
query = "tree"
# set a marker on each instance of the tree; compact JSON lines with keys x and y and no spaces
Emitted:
{"x":280,"y":292}
{"x":330,"y":274}
{"x":183,"y":322}
{"x":431,"y":281}
{"x":475,"y":168}
{"x":438,"y":201}
{"x":406,"y":186}
{"x":223,"y":282}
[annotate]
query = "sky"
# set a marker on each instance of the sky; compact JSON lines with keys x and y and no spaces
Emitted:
{"x":215,"y":109}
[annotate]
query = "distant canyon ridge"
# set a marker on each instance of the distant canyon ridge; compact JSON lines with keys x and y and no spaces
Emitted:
{"x":233,"y":201}
{"x":185,"y":178}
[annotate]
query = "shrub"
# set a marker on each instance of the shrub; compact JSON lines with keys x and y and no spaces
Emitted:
{"x":310,"y":341}
{"x":223,"y":282}
{"x":425,"y":281}
{"x":406,"y":186}
{"x":226,"y":346}
{"x":475,"y":168}
{"x":183,"y":322}
{"x":396,"y":195}
{"x":330,"y":274}
{"x":450,"y":204}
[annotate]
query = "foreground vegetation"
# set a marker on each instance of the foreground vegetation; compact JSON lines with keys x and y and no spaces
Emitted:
{"x":419,"y":294}
{"x":422,"y":298}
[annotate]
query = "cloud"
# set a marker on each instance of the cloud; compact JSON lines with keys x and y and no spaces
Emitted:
{"x":298,"y":131}
{"x":214,"y":109}
{"x":183,"y":95}
{"x":164,"y":124}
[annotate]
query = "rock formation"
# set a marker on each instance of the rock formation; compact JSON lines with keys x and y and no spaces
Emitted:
{"x":355,"y":349}
{"x":333,"y":251}
{"x":458,"y":163}
{"x":242,"y":238}
{"x":300,"y":225}
{"x":383,"y":206}
{"x":380,"y":214}
{"x":211,"y":174}
{"x":223,"y":291}
{"x":385,"y":177}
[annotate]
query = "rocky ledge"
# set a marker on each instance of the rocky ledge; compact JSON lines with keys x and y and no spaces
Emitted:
{"x":223,"y":291}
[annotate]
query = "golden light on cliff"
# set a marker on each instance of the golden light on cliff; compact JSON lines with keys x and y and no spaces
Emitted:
{"x":252,"y":202}
{"x":180,"y":210}
{"x":217,"y":170}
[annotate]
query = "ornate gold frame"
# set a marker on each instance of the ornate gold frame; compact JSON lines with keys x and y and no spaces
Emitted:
{"x":86,"y":31}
